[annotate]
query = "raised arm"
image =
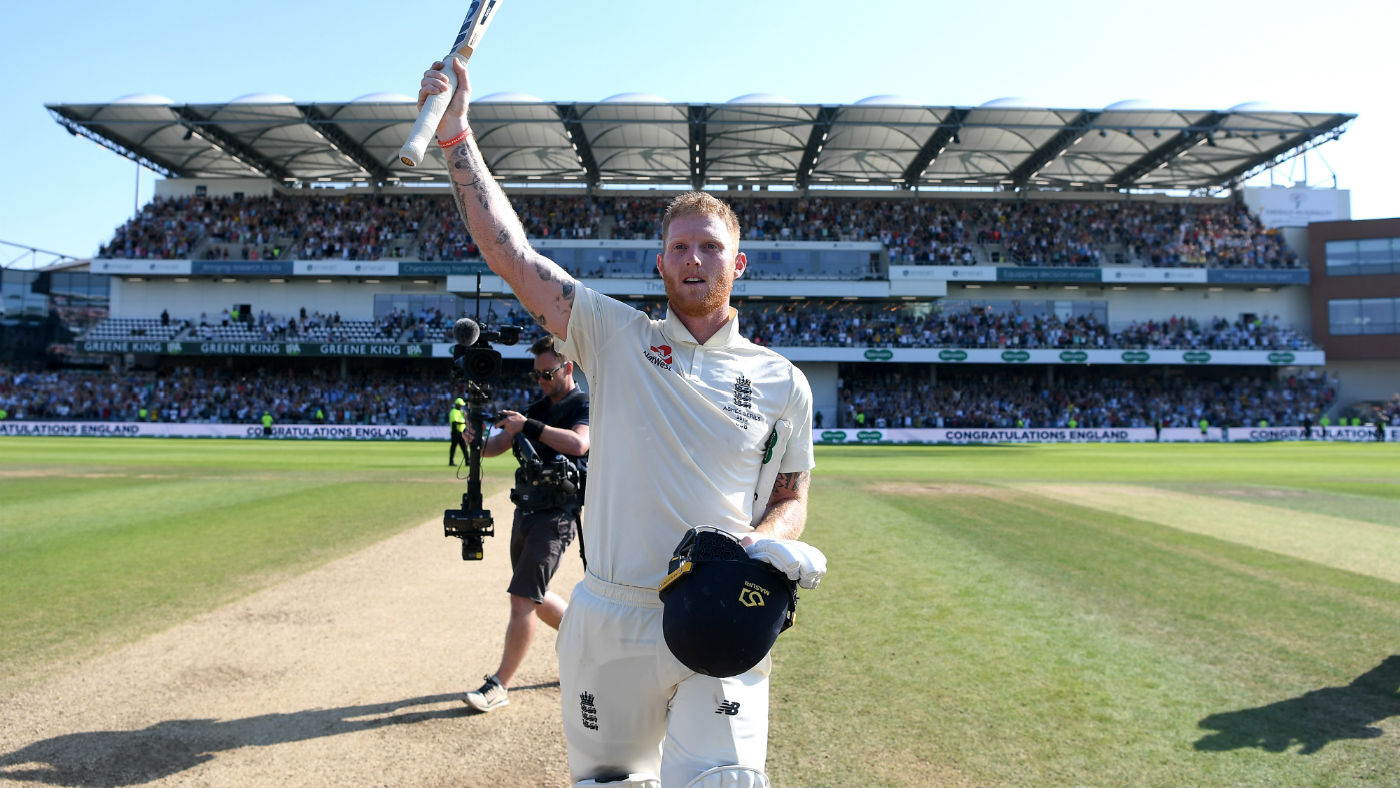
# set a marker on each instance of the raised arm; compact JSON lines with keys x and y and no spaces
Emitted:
{"x":545,"y":289}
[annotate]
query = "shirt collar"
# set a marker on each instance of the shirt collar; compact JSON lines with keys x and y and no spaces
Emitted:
{"x":727,"y":334}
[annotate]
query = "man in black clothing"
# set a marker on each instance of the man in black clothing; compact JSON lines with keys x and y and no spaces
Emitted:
{"x":546,"y":515}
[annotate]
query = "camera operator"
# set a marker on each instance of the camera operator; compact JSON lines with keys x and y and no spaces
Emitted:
{"x":546,"y":507}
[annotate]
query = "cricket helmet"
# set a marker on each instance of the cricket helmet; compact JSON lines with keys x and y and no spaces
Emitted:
{"x":722,"y":610}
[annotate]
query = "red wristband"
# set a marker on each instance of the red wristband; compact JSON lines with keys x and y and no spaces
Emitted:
{"x":457,"y":140}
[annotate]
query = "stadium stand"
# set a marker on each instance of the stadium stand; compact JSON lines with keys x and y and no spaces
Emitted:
{"x":221,"y":396}
{"x":776,"y":324}
{"x":1091,"y":277}
{"x":142,"y":327}
{"x":920,"y":231}
{"x":977,"y":325}
{"x":906,"y":398}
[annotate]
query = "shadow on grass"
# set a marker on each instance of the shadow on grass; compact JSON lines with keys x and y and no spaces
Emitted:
{"x":1314,"y":719}
{"x":172,"y":746}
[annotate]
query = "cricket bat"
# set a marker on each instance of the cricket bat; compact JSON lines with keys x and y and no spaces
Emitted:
{"x":478,"y":17}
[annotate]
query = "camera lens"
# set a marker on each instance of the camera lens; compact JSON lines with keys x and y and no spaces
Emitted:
{"x":478,"y":363}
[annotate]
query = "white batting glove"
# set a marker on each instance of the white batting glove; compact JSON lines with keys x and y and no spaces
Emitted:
{"x":798,"y":560}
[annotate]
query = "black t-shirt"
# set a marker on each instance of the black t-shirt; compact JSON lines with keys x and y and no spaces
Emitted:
{"x":565,"y":414}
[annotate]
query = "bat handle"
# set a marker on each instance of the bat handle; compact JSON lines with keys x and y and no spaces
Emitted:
{"x":425,"y":128}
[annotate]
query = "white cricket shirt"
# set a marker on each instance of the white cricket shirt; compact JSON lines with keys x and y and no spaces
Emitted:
{"x":678,"y":432}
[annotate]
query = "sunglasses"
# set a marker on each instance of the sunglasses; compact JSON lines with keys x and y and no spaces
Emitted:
{"x":547,"y":374}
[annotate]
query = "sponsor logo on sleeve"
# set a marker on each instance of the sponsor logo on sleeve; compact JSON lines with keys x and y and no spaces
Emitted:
{"x":659,"y":356}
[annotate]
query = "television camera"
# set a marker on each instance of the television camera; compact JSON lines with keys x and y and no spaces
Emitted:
{"x":477,"y":365}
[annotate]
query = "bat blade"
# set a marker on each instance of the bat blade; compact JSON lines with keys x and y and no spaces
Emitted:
{"x":479,"y":15}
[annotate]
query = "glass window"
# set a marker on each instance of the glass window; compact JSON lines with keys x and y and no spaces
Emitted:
{"x":1343,"y":316}
{"x":1378,"y":316}
{"x":1343,"y":258}
{"x":1367,"y":256}
{"x":1374,"y":256}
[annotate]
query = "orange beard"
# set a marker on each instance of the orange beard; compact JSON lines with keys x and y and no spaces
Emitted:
{"x":688,"y":300}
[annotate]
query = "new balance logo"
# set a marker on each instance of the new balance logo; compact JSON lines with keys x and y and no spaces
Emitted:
{"x":729,"y":707}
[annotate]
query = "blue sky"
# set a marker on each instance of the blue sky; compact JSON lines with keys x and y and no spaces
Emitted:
{"x":66,"y":194}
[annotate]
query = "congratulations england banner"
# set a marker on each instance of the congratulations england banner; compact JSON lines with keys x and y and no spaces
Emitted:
{"x":76,"y":429}
{"x":1106,"y":435}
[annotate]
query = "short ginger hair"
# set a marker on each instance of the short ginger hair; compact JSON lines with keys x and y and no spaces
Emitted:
{"x":701,"y":204}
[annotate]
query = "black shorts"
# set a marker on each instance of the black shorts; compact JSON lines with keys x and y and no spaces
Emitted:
{"x":537,"y":543}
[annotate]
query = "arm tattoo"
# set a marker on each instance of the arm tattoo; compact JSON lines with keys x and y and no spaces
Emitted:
{"x":501,"y":235}
{"x":796,"y":481}
{"x":787,"y":508}
{"x":508,"y":235}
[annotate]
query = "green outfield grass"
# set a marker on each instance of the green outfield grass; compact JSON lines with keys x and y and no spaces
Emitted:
{"x":1001,"y":615}
{"x":1098,"y":615}
{"x":103,"y":540}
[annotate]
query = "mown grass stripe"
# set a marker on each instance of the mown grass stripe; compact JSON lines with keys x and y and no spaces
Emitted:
{"x":997,"y":637}
{"x":1342,"y":543}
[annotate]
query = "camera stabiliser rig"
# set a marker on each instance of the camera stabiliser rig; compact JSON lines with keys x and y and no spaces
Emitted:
{"x":476,"y":365}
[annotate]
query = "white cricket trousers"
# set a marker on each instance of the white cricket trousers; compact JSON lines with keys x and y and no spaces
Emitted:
{"x":629,"y":707}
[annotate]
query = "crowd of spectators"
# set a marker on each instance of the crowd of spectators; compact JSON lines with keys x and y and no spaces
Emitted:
{"x":163,"y":229}
{"x":429,"y":324}
{"x":848,"y":325}
{"x":919,"y":230}
{"x":220,"y":396}
{"x":1017,"y":399}
{"x":268,"y":327}
{"x":868,"y":397}
{"x":826,"y":324}
{"x":267,"y":228}
{"x":1390,"y":411}
{"x":1382,"y":411}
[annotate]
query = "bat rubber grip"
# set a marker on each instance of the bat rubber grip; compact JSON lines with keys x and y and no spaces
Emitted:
{"x":425,"y":128}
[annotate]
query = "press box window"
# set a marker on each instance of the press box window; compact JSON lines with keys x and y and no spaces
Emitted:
{"x":1363,"y":316}
{"x":1367,"y":256}
{"x":1343,"y":259}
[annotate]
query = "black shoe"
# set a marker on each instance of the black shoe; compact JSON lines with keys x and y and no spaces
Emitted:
{"x":491,"y":696}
